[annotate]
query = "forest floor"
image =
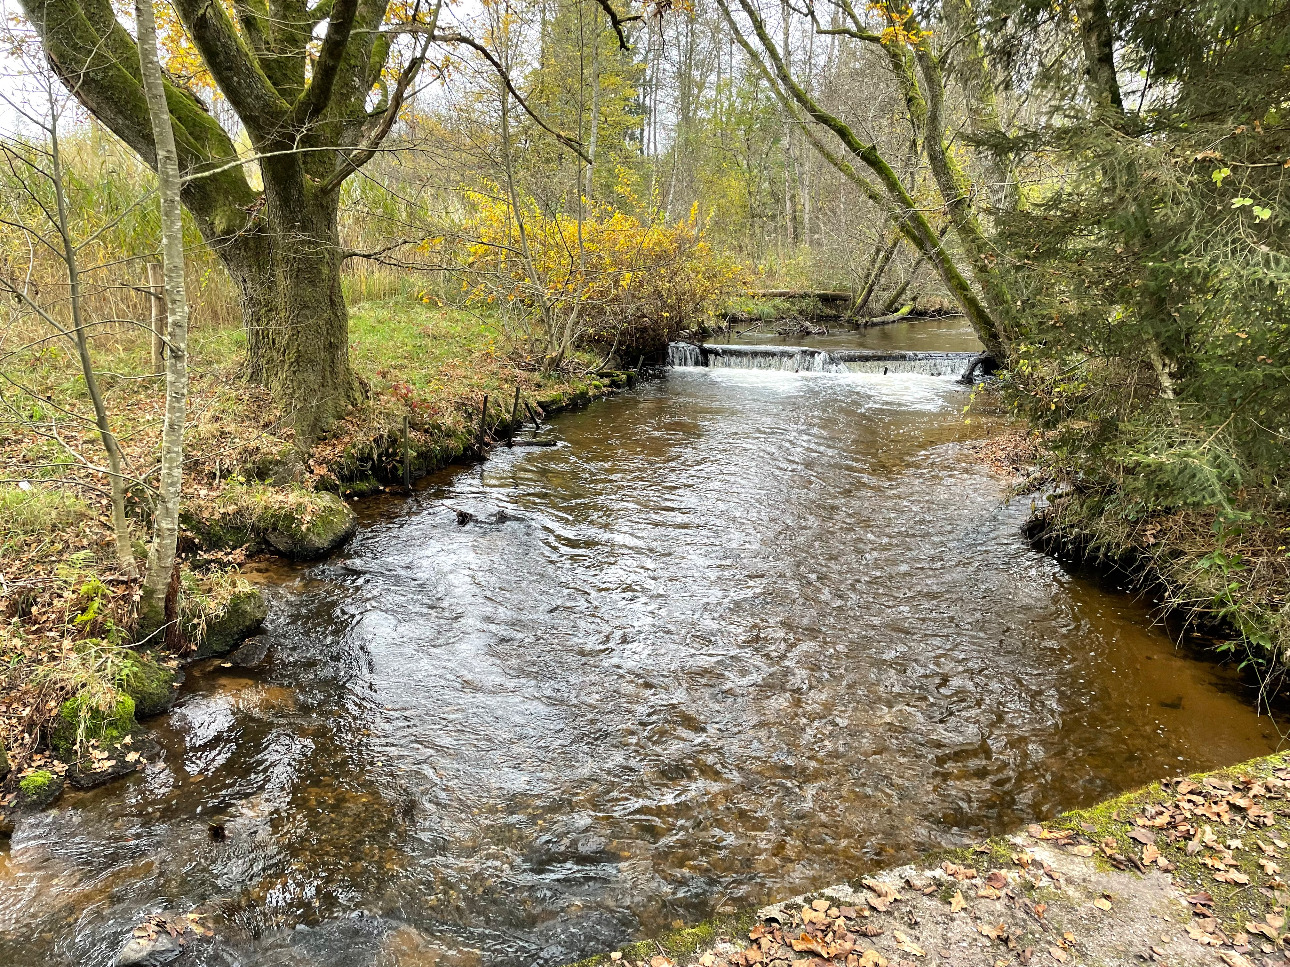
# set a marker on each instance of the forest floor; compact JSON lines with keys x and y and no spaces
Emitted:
{"x":247,"y":488}
{"x":1184,"y":872}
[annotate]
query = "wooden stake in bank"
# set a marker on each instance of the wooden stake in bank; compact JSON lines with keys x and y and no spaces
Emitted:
{"x":407,"y":456}
{"x":483,"y":421}
{"x":515,"y":409}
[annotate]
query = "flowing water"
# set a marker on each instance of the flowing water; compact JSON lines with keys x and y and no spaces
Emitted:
{"x":740,"y":634}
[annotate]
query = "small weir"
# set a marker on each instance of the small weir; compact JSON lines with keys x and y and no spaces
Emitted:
{"x":804,"y":359}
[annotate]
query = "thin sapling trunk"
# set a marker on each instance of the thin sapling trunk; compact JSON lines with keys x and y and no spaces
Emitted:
{"x":165,"y":521}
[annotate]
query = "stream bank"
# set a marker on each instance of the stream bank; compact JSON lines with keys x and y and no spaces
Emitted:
{"x":1186,"y":871}
{"x":72,"y":683}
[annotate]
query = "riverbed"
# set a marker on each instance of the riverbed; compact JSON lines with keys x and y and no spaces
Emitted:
{"x":740,"y":633}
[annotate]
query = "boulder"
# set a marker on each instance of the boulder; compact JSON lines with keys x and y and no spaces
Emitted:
{"x":252,"y":652}
{"x":153,"y":686}
{"x":81,"y":719}
{"x":240,"y":618}
{"x":122,"y":760}
{"x":38,"y":789}
{"x":328,"y":523}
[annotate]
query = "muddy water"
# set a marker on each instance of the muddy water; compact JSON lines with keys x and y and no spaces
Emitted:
{"x":741,"y":633}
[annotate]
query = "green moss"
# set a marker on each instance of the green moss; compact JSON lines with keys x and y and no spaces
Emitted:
{"x":149,"y":683}
{"x":680,"y":944}
{"x":36,"y":783}
{"x":307,"y":527}
{"x":82,"y":719}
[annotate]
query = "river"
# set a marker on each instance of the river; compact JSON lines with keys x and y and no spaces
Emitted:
{"x":740,"y":634}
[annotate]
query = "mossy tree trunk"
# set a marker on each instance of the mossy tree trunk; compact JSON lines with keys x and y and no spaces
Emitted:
{"x":305,"y":106}
{"x":297,"y":324}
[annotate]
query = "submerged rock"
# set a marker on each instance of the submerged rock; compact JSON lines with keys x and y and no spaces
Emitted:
{"x":149,"y":951}
{"x":329,"y":523}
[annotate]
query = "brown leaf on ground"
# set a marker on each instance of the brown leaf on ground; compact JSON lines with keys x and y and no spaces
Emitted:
{"x":881,"y":889}
{"x":807,"y":942}
{"x":907,"y":945}
{"x":957,"y":902}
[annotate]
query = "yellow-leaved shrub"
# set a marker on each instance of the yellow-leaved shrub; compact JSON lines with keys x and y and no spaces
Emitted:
{"x":611,"y":282}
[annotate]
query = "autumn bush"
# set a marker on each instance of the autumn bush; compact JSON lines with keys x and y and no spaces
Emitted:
{"x":608,"y":281}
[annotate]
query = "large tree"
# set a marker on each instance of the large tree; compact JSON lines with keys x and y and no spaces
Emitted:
{"x":314,"y":89}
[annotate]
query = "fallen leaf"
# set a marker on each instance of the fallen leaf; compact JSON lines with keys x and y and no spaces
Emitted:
{"x":907,"y":945}
{"x":957,"y":902}
{"x":1058,"y":954}
{"x":1102,"y":903}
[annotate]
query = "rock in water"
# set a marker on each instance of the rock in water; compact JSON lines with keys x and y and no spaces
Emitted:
{"x":240,"y":618}
{"x":251,"y":654}
{"x":149,"y":951}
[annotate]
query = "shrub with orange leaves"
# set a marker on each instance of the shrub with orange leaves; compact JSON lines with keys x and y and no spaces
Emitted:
{"x":610,"y":281}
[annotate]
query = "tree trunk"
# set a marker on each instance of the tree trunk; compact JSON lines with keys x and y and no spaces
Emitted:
{"x":297,"y":325}
{"x":165,"y":520}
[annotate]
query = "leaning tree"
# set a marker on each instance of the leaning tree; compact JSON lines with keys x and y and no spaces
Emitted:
{"x":317,"y":85}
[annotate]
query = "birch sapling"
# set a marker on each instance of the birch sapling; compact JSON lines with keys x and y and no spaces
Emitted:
{"x":165,"y":521}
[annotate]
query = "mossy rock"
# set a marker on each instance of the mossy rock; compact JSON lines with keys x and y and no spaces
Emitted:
{"x":38,"y":789}
{"x":151,"y":684}
{"x":4,"y":762}
{"x":328,"y":523}
{"x":221,"y":532}
{"x":80,"y":717}
{"x":240,"y":618}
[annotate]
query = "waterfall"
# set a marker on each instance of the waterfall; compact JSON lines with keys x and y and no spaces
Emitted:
{"x":802,"y":359}
{"x":684,"y":354}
